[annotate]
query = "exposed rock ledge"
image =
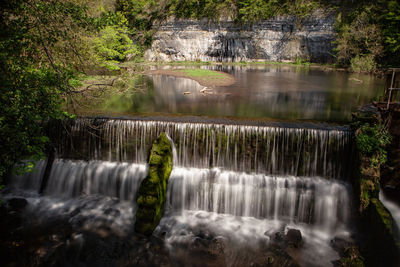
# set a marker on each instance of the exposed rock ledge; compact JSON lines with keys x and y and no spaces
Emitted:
{"x":278,"y":39}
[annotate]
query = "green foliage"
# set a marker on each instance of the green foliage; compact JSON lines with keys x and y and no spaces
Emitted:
{"x":39,"y":58}
{"x":371,"y":142}
{"x":302,"y":61}
{"x":388,"y":15}
{"x":256,"y":10}
{"x":241,"y":10}
{"x":369,"y":35}
{"x":363,"y":63}
{"x":113,"y":45}
{"x":141,"y":14}
{"x":359,"y":43}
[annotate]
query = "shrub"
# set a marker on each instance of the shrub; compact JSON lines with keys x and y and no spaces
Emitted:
{"x":113,"y":45}
{"x":363,"y":63}
{"x":371,"y":142}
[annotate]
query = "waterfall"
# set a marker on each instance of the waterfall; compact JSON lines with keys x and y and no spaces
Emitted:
{"x":313,"y":201}
{"x":325,"y":152}
{"x":310,"y":200}
{"x":245,"y":183}
{"x":74,"y":178}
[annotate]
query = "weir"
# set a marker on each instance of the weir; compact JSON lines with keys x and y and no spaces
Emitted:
{"x":312,"y":201}
{"x":289,"y":199}
{"x":245,"y":182}
{"x":324,"y":152}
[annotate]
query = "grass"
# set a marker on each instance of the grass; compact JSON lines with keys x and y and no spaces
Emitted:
{"x":202,"y":73}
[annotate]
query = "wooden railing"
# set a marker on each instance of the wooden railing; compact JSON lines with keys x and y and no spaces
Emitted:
{"x":390,"y":93}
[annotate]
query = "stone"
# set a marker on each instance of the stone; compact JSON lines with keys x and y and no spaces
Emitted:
{"x":278,"y":236}
{"x":283,"y":38}
{"x":17,"y":204}
{"x":153,"y":189}
{"x":217,"y":247}
{"x":341,"y":244}
{"x":294,"y":238}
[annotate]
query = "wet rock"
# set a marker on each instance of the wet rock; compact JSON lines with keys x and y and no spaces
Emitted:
{"x":112,"y":212}
{"x":278,"y":236}
{"x":217,"y":247}
{"x":340,"y":244}
{"x":17,"y":204}
{"x":203,"y":234}
{"x":294,"y":238}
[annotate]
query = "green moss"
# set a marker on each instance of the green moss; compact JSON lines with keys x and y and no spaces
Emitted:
{"x":349,"y":262}
{"x":152,"y":191}
{"x":384,"y":215}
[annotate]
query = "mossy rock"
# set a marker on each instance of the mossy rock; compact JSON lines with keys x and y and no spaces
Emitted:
{"x":153,"y":189}
{"x":382,"y":236}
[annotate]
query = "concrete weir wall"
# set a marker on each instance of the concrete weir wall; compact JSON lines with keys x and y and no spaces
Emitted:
{"x":279,"y":39}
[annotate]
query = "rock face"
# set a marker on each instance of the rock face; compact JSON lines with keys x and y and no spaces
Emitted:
{"x":153,"y":189}
{"x":278,"y":39}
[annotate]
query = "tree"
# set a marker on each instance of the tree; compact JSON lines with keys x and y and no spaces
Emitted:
{"x":389,"y":17}
{"x":113,"y":44}
{"x":40,"y":55}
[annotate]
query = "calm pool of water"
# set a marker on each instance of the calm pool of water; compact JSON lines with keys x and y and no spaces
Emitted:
{"x":277,"y":92}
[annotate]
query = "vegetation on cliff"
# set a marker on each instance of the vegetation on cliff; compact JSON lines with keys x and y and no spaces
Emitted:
{"x":371,"y":142}
{"x":369,"y":35}
{"x":381,"y":241}
{"x":153,"y":189}
{"x":368,"y":31}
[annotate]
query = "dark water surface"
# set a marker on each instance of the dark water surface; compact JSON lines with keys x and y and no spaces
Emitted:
{"x":276,"y":92}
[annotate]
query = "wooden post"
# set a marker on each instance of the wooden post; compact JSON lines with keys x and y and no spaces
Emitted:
{"x":390,"y":89}
{"x":390,"y":96}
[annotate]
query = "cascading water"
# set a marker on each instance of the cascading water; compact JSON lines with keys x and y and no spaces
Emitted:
{"x":245,"y":182}
{"x":292,"y":199}
{"x":262,"y":149}
{"x":74,"y":178}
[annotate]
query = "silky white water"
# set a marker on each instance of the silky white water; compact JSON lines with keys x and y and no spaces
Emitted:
{"x":245,"y":184}
{"x":246,"y":208}
{"x":325,"y":152}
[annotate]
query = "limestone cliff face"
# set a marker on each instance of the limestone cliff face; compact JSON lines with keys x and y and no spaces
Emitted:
{"x":279,"y":39}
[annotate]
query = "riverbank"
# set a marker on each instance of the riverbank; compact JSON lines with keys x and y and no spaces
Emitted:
{"x":298,"y":63}
{"x":207,"y":78}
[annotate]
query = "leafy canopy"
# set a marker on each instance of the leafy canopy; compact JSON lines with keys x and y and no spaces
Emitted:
{"x":39,"y":55}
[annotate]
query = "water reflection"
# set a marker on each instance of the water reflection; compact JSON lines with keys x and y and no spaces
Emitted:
{"x":283,"y":92}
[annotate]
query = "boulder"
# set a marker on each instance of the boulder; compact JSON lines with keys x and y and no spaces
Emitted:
{"x":294,"y":238}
